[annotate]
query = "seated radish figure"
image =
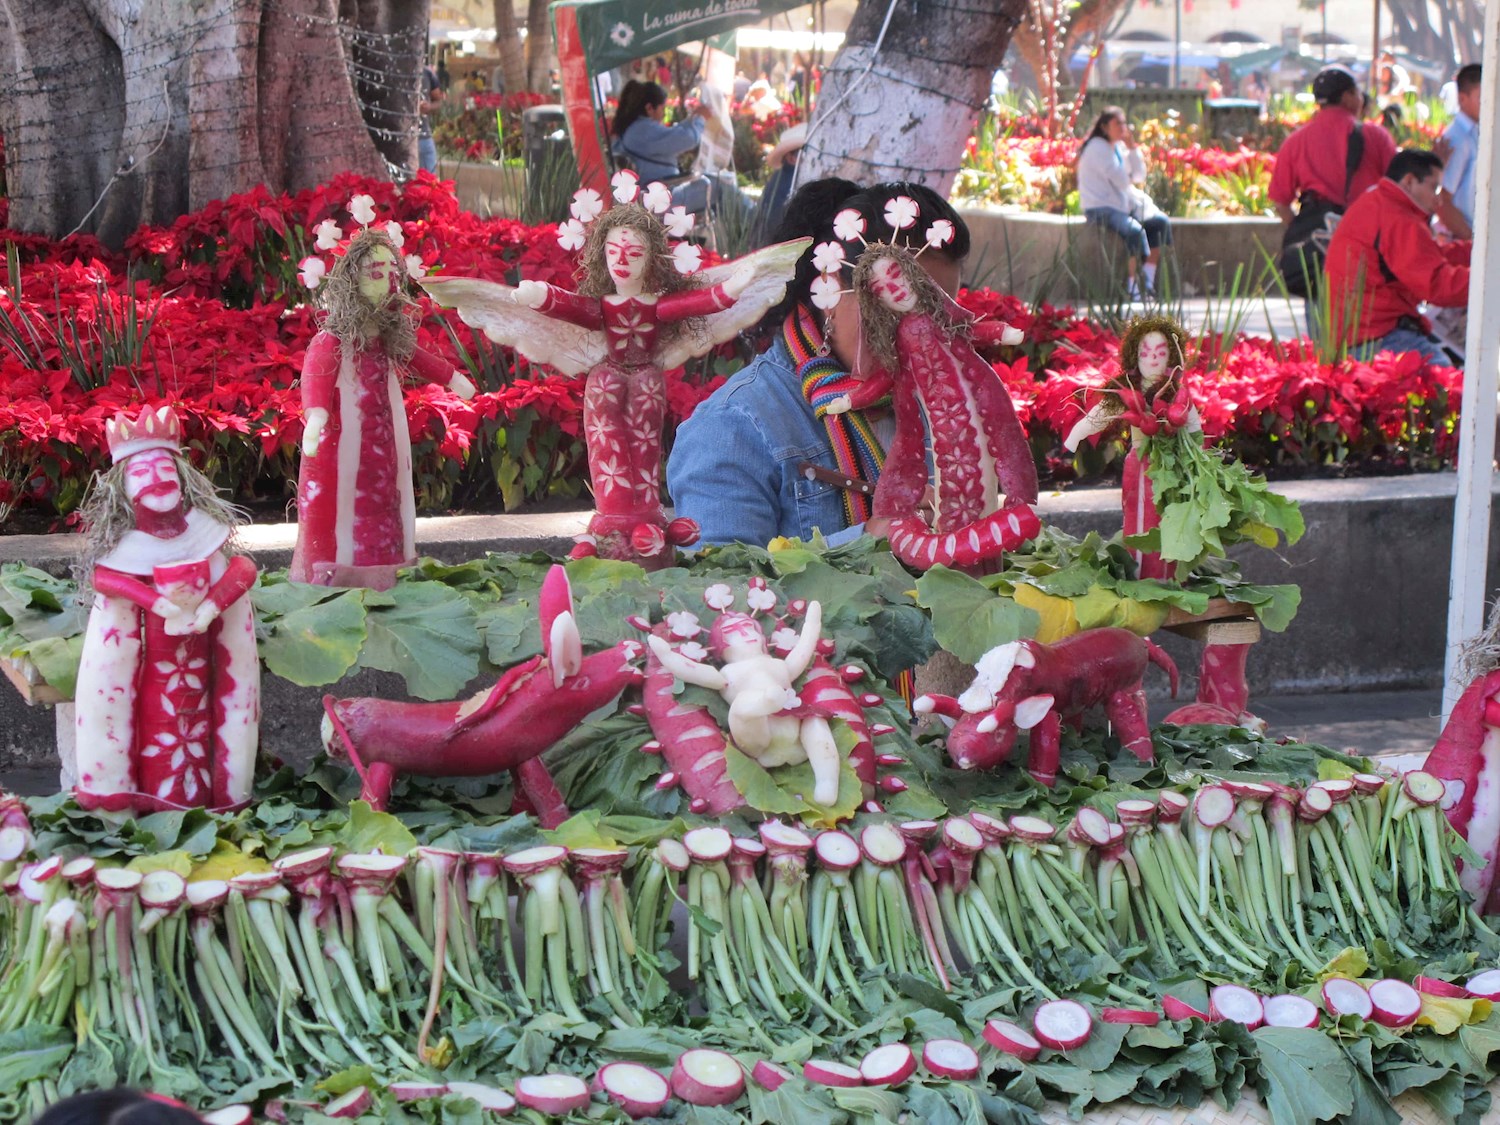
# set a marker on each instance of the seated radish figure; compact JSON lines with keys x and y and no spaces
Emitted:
{"x":766,"y":718}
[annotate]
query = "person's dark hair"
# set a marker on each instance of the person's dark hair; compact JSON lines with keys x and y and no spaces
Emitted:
{"x":810,"y":212}
{"x":1467,"y":77}
{"x":1391,"y":116}
{"x":1332,"y":83}
{"x":117,"y":1106}
{"x":1418,"y":162}
{"x":634,"y":100}
{"x":1101,"y":128}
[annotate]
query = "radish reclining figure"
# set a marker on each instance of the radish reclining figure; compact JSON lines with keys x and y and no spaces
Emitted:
{"x":506,"y":727}
{"x":1025,"y":685}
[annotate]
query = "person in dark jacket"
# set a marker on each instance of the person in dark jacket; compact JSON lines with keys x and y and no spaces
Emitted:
{"x":1383,"y":262}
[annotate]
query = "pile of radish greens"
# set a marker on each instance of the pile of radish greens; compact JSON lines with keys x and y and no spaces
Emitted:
{"x":448,"y":962}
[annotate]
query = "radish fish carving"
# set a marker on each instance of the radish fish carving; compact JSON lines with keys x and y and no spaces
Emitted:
{"x":168,"y":696}
{"x":1026,"y":685}
{"x":636,"y":314}
{"x":917,"y":346}
{"x":506,"y":727}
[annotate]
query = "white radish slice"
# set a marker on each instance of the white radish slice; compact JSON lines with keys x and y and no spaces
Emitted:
{"x":1012,"y":1039}
{"x":527,"y":862}
{"x":768,"y":1075}
{"x":230,"y":1115}
{"x":111,"y":879}
{"x":1423,"y":788}
{"x":1396,"y":1003}
{"x":1486,"y":984}
{"x":1236,"y":1004}
{"x":707,"y":1078}
{"x":826,"y":1072}
{"x":552,"y":1093}
{"x":780,"y":838}
{"x":636,"y":1089}
{"x":80,"y":870}
{"x":1063,"y":1024}
{"x":309,"y":862}
{"x":883,"y":844}
{"x":352,"y":1104}
{"x":489,"y":1098}
{"x":417,"y":1091}
{"x":14,"y":843}
{"x":1092,"y":826}
{"x":836,"y":851}
{"x":1368,"y":782}
{"x":1345,"y":997}
{"x":961,"y":836}
{"x":673,"y":856}
{"x":1213,"y":806}
{"x":992,"y":828}
{"x":1137,"y":1016}
{"x":888,"y":1065}
{"x":1032,"y":828}
{"x":162,"y":890}
{"x":950,"y":1058}
{"x":1135,"y":813}
{"x":1287,"y":1010}
{"x":708,"y":845}
{"x":1339,"y":788}
{"x":1171,"y":805}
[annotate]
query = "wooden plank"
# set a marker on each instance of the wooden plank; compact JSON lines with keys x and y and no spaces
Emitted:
{"x":1217,"y":608}
{"x":1237,"y":631}
{"x":34,"y":693}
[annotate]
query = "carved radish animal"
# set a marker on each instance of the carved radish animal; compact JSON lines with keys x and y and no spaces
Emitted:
{"x":505,"y":727}
{"x":1025,"y":685}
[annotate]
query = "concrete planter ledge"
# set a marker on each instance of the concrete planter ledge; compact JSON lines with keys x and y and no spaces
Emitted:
{"x":1373,"y":568}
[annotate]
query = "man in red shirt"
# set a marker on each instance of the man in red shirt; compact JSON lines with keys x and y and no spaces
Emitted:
{"x":1313,"y":159}
{"x":1383,"y":262}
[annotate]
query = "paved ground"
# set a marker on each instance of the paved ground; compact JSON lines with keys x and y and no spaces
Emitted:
{"x":1275,"y":318}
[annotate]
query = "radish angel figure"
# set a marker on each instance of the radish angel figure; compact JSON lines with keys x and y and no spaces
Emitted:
{"x":767,"y":719}
{"x":356,"y":508}
{"x":636,"y":313}
{"x":168,"y":696}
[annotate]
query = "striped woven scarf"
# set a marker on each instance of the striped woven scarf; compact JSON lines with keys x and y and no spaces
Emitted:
{"x":856,"y":450}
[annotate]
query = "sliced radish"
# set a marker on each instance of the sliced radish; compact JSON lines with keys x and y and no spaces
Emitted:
{"x":673,"y":856}
{"x":1139,"y":1016}
{"x":352,"y":1104}
{"x":1434,"y":987}
{"x":1090,"y":826}
{"x":708,"y":1078}
{"x":950,"y":1058}
{"x":1287,"y":1010}
{"x":1176,"y":1009}
{"x":1170,"y":806}
{"x":992,"y":828}
{"x":489,"y":1098}
{"x":1213,"y":806}
{"x":1368,"y":782}
{"x":417,"y":1091}
{"x":1136,"y":814}
{"x":1396,"y":1003}
{"x":1032,"y":828}
{"x":1423,"y":788}
{"x":768,"y":1075}
{"x":888,"y":1065}
{"x":637,"y":1089}
{"x":1063,"y":1024}
{"x":836,"y":851}
{"x":883,"y":844}
{"x":531,"y":861}
{"x":708,"y":845}
{"x":230,"y":1115}
{"x":1345,"y":997}
{"x":1486,"y":984}
{"x":552,"y":1093}
{"x":1236,"y":1004}
{"x":826,"y":1072}
{"x":1012,"y":1039}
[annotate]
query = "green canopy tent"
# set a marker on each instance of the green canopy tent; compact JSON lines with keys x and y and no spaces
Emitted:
{"x":593,"y":36}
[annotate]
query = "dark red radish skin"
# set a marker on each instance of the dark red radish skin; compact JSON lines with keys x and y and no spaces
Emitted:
{"x":1434,"y":987}
{"x":1012,"y":1039}
{"x":707,"y":1078}
{"x":1239,"y":1005}
{"x":825,"y":1072}
{"x":488,"y":1098}
{"x":1137,"y":1016}
{"x":1466,"y":758}
{"x":1287,"y":1010}
{"x":1345,"y":997}
{"x":636,"y":1089}
{"x":768,"y":1075}
{"x":950,"y":1058}
{"x":1063,"y":1025}
{"x":1175,"y":1009}
{"x":888,"y":1065}
{"x":352,"y":1104}
{"x":556,"y":1094}
{"x":1395,"y":1003}
{"x":1485,"y":984}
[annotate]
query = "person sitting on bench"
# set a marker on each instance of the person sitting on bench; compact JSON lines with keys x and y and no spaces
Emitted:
{"x":1110,"y":166}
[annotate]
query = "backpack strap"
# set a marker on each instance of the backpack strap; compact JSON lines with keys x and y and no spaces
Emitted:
{"x":1354,"y":152}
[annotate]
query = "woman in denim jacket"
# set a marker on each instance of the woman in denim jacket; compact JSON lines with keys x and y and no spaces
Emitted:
{"x":768,"y":453}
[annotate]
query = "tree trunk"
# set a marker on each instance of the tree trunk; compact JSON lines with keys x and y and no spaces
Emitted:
{"x":1458,"y":42}
{"x":508,"y":43}
{"x":538,"y":47}
{"x":123,"y":112}
{"x":906,"y":112}
{"x":1048,"y":34}
{"x":388,"y":61}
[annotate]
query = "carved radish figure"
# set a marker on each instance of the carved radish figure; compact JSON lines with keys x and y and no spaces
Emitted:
{"x":506,"y":727}
{"x":1025,"y":685}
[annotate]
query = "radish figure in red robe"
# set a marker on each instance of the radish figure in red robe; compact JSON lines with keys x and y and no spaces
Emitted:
{"x":356,"y":510}
{"x":168,"y":696}
{"x":635,"y":314}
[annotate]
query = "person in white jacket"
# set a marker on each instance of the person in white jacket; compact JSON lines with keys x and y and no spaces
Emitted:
{"x":1110,"y":169}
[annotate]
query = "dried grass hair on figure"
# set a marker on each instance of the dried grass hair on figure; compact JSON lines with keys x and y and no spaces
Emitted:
{"x":1137,"y":330}
{"x":348,"y":313}
{"x":880,"y":323}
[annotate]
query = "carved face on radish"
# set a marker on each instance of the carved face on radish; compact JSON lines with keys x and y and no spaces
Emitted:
{"x":1154,"y":356}
{"x":379,"y":277}
{"x":152,"y":481}
{"x":625,"y":255}
{"x":889,"y":284}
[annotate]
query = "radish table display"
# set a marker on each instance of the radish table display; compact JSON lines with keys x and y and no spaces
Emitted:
{"x":916,"y":345}
{"x":635,"y":314}
{"x":168,"y":695}
{"x":356,"y":511}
